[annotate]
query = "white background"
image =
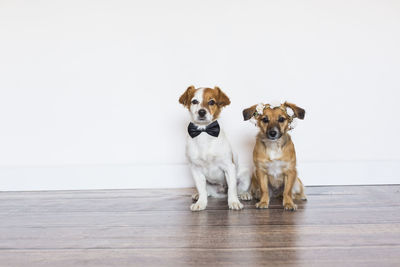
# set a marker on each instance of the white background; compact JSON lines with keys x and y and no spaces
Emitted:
{"x":89,"y":89}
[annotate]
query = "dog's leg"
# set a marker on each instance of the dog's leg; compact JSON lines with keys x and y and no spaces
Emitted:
{"x":298,"y":190}
{"x":200,"y":181}
{"x":262,"y":178}
{"x":255,"y":187}
{"x":230,"y":175}
{"x":243,"y":185}
{"x":290,"y":179}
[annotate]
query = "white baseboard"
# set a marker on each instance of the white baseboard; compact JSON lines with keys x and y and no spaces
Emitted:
{"x":349,"y":172}
{"x":178,"y":175}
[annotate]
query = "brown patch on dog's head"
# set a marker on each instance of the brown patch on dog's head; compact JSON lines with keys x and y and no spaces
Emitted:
{"x":274,"y":122}
{"x":204,"y":104}
{"x":214,"y":100}
{"x":187,"y":96}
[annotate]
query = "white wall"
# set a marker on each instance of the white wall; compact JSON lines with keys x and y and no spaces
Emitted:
{"x":89,"y":89}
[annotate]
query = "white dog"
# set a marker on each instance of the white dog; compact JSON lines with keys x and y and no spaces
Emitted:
{"x":213,"y":164}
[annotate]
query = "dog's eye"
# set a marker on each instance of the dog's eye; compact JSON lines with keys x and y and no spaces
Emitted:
{"x":211,"y":102}
{"x":195,"y":102}
{"x":265,"y":120}
{"x":281,"y":119}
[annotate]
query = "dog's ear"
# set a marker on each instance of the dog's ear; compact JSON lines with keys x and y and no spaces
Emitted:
{"x":222,"y":98}
{"x":249,"y":112}
{"x":298,"y":112}
{"x":187,"y":96}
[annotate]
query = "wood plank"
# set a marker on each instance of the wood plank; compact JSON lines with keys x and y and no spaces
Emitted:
{"x":314,"y":256}
{"x":212,"y":237}
{"x":275,"y":216}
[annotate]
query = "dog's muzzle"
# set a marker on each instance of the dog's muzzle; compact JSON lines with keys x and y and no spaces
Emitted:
{"x":202,"y":113}
{"x":273,"y":134}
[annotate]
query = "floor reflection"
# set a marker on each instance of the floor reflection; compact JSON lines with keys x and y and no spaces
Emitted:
{"x":250,"y":236}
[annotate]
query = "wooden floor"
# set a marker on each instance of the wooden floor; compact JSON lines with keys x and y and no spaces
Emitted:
{"x":338,"y":226}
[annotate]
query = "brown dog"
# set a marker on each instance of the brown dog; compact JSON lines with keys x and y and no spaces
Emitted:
{"x":274,"y":155}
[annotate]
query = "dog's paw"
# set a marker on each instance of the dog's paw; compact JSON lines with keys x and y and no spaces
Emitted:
{"x":262,"y":205}
{"x":290,"y":206}
{"x":245,"y":196}
{"x":195,"y":196}
{"x":235,"y":205}
{"x":199,"y":205}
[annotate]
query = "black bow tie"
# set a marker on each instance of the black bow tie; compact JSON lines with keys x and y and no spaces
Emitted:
{"x":212,"y":129}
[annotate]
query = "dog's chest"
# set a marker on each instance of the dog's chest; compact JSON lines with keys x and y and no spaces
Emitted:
{"x":209,"y":154}
{"x":274,"y":152}
{"x":275,"y":170}
{"x":274,"y":166}
{"x":203,"y":149}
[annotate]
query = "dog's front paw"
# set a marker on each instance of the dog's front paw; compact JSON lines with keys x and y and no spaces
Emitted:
{"x":199,"y":205}
{"x":235,"y":205}
{"x":262,"y":205}
{"x":290,"y":206}
{"x":245,"y":196}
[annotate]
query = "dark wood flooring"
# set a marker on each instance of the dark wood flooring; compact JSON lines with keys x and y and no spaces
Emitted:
{"x":337,"y":226}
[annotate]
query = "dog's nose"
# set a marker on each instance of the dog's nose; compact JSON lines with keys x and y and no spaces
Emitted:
{"x":272,"y":133}
{"x":202,"y":113}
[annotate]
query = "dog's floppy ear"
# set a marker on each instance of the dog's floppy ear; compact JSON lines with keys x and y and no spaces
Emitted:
{"x":249,"y":112}
{"x":222,"y":98}
{"x":187,"y":96}
{"x":298,"y":112}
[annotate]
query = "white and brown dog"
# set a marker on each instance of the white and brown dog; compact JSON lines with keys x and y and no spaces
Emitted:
{"x":274,"y":155}
{"x":213,"y":164}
